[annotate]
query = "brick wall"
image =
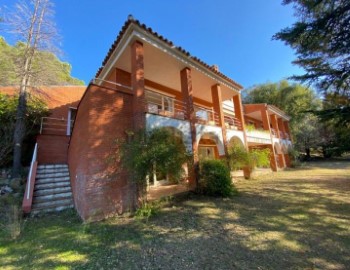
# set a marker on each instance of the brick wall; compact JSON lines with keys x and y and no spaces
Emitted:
{"x":52,"y":149}
{"x":100,"y":186}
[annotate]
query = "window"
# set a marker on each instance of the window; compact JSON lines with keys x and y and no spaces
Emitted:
{"x":206,"y":152}
{"x":157,"y":103}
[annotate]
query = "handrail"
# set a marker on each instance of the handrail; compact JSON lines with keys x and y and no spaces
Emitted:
{"x":212,"y":114}
{"x":28,"y":194}
{"x":35,"y":154}
{"x":164,"y":105}
{"x":234,"y":121}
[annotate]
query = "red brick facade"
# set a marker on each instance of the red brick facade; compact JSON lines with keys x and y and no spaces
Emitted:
{"x":100,"y":186}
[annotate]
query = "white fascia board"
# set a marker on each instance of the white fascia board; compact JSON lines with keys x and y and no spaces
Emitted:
{"x":280,"y":113}
{"x":115,"y":56}
{"x":161,"y":45}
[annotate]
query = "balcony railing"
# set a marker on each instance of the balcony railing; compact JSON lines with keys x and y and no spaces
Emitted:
{"x":283,"y":135}
{"x":232,"y":122}
{"x":163,"y":105}
{"x":206,"y":116}
{"x":273,"y":131}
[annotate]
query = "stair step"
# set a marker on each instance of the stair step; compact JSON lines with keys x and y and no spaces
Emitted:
{"x":52,"y":185}
{"x":52,"y":175}
{"x":52,"y":180}
{"x":48,"y":191}
{"x":52,"y":204}
{"x":36,"y":211}
{"x":52,"y":197}
{"x":52,"y":166}
{"x":52,"y":170}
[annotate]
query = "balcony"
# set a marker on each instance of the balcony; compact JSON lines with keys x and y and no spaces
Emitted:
{"x":206,"y":116}
{"x":232,"y":123}
{"x":258,"y":136}
{"x":163,"y":105}
{"x":282,"y":135}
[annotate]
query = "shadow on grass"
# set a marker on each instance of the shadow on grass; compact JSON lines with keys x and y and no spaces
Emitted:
{"x":276,"y":224}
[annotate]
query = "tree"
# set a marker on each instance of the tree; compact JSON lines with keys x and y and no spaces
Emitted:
{"x":55,"y":72}
{"x":8,"y":104}
{"x":32,"y":23}
{"x":158,"y":150}
{"x":321,"y":38}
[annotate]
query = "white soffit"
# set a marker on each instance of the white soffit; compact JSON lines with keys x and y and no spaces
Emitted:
{"x":135,"y":31}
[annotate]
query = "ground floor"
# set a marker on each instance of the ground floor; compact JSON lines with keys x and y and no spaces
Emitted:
{"x":298,"y":219}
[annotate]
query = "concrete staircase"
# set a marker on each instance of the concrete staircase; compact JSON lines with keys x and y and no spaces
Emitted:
{"x":52,"y":190}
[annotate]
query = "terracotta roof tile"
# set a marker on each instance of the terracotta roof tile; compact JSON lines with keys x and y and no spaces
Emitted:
{"x":130,"y":21}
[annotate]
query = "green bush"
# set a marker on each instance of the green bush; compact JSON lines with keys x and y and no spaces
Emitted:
{"x":148,"y":210}
{"x":215,"y":179}
{"x":237,"y":156}
{"x":259,"y":158}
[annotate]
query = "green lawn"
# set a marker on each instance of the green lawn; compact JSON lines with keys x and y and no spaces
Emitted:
{"x":296,"y":219}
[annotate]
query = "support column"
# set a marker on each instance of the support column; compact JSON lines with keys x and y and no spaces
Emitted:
{"x":266,"y":126}
{"x":187,"y":93}
{"x":138,"y":85}
{"x":273,"y":161}
{"x":275,"y":125}
{"x":238,"y":108}
{"x":265,"y":119}
{"x":217,"y":104}
{"x":281,"y":127}
{"x":237,"y":104}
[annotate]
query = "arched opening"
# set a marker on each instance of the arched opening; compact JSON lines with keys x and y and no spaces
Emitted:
{"x":235,"y":141}
{"x":207,"y":147}
{"x":162,"y":184}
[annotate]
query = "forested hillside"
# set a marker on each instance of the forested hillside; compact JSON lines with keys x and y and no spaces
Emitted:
{"x":46,"y":66}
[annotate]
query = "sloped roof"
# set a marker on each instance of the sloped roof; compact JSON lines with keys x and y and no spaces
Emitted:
{"x":149,"y":30}
{"x":53,"y":96}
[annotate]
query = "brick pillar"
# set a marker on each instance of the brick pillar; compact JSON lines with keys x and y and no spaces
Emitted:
{"x":273,"y":161}
{"x":281,"y":126}
{"x":217,"y":105}
{"x":266,"y":126}
{"x":275,"y":125}
{"x":237,"y":104}
{"x":265,"y":119}
{"x":138,"y":85}
{"x":187,"y":93}
{"x":238,"y":107}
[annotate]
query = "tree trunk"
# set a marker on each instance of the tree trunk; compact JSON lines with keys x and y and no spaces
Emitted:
{"x":307,"y":151}
{"x":19,"y":131}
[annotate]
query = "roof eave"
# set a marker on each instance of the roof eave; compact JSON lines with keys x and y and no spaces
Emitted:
{"x":134,"y":31}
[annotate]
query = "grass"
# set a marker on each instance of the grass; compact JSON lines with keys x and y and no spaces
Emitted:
{"x":296,"y":219}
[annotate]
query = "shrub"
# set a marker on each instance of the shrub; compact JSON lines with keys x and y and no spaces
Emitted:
{"x":157,"y":151}
{"x":215,"y":179}
{"x":237,"y":157}
{"x":148,"y":210}
{"x":259,"y":158}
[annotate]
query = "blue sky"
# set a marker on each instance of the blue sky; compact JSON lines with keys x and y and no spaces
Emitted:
{"x":234,"y":34}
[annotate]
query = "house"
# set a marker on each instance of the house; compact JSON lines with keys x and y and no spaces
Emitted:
{"x":145,"y":81}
